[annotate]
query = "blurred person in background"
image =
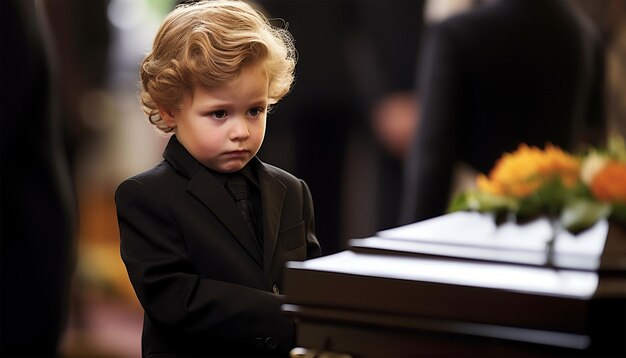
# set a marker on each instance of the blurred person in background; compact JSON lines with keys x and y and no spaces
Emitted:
{"x":610,"y":18}
{"x":38,"y":213}
{"x":43,"y":77}
{"x":493,"y":77}
{"x":355,"y":80}
{"x":320,"y":105}
{"x":382,"y":56}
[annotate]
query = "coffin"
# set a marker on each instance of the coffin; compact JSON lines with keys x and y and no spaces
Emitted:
{"x":463,"y":285}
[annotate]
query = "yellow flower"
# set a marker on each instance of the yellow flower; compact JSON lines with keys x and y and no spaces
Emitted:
{"x":522,"y":172}
{"x":530,"y":181}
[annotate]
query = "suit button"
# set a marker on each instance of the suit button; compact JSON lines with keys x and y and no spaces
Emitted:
{"x":270,"y":343}
{"x":275,"y":289}
{"x":258,"y":343}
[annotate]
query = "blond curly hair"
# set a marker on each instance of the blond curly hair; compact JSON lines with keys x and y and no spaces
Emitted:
{"x":208,"y":43}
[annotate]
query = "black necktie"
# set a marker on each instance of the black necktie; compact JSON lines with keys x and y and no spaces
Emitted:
{"x":238,"y":188}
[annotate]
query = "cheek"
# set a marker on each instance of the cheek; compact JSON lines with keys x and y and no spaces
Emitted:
{"x":212,"y":142}
{"x":208,"y":145}
{"x":260,"y":131}
{"x":260,"y":126}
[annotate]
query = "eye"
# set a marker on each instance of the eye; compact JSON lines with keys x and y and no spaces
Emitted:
{"x":256,"y":111}
{"x":219,"y":114}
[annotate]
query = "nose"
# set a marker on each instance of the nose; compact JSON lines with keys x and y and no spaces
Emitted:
{"x":239,"y":130}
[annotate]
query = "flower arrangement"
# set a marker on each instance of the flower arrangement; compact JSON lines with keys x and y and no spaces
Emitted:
{"x":576,"y":190}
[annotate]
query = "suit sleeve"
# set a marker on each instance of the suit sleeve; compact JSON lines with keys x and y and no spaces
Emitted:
{"x":173,"y":295}
{"x":429,"y":163}
{"x":313,"y":248}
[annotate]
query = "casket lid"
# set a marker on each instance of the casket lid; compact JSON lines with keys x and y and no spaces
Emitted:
{"x":477,"y":236}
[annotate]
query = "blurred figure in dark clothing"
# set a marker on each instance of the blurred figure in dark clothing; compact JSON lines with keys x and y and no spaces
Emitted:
{"x":319,"y":106}
{"x":494,"y":77}
{"x":356,"y":58}
{"x":382,"y":52}
{"x":39,"y":214}
{"x":38,"y":223}
{"x":610,"y":18}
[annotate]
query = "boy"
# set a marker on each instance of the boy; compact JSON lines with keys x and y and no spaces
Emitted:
{"x":207,"y":273}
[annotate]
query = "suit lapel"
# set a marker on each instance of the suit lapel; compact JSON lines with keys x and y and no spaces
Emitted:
{"x":206,"y":188}
{"x":272,"y":196}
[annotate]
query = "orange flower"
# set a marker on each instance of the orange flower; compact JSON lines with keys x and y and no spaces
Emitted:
{"x":609,"y":184}
{"x":522,"y":172}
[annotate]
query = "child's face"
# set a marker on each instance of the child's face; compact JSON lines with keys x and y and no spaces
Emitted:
{"x":223,"y":127}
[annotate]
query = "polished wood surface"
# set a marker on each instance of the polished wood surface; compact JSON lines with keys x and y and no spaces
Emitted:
{"x":408,"y":292}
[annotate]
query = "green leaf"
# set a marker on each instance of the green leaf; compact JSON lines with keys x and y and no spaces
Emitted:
{"x":616,"y":147}
{"x":619,"y":212}
{"x":484,"y":202}
{"x":547,"y":199}
{"x":459,"y":203}
{"x":579,"y":214}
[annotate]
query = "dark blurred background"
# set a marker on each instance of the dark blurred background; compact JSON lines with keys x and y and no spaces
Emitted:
{"x":73,"y":129}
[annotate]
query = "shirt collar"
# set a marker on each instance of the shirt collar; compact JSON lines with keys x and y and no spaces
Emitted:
{"x":247,"y":171}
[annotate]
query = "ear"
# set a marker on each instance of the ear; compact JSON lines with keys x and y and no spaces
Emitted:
{"x":168,"y":117}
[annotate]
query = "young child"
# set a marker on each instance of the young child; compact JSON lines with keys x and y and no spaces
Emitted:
{"x":207,"y":273}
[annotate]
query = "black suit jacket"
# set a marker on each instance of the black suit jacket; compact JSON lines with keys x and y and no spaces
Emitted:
{"x":492,"y":78}
{"x":206,"y":288}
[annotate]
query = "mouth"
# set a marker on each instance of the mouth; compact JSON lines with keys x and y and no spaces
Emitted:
{"x":237,"y":153}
